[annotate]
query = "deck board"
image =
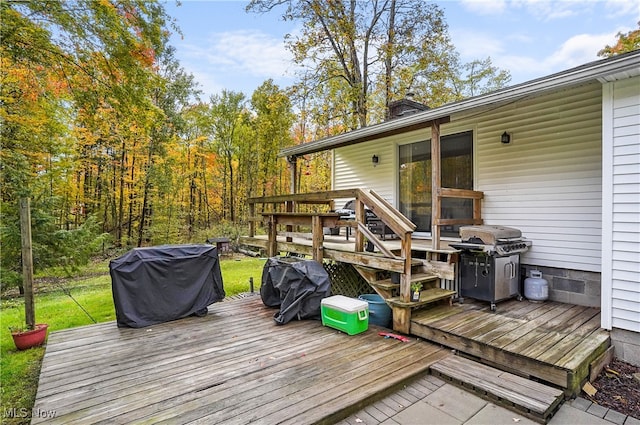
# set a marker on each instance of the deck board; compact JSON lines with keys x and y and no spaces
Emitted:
{"x":550,"y":341}
{"x":233,"y":366}
{"x":527,"y":397}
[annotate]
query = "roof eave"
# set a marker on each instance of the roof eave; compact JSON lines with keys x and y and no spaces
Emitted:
{"x":628,"y":64}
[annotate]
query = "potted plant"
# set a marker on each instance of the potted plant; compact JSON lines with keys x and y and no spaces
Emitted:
{"x":415,"y":291}
{"x":25,"y":338}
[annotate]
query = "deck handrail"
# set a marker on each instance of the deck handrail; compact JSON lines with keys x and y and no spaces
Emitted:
{"x":400,"y":225}
{"x":446,"y":192}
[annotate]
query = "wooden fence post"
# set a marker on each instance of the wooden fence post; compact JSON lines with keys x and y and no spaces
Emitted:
{"x":27,"y":262}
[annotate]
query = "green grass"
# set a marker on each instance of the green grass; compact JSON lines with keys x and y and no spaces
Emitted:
{"x":19,"y":370}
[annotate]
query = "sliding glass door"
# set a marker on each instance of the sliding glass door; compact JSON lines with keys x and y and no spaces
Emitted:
{"x":415,"y":180}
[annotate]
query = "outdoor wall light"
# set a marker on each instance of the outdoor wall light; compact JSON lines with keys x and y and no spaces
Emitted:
{"x":505,"y":138}
{"x":375,"y":160}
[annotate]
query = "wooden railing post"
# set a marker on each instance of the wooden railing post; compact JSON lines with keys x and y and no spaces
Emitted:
{"x":317,"y":238}
{"x":272,"y":246}
{"x":252,"y":217}
{"x":360,"y":218}
{"x":289,"y":207}
{"x":405,"y":281}
{"x":435,"y":184}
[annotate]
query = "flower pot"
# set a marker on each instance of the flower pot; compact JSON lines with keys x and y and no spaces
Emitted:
{"x":415,"y":296}
{"x":28,"y":339}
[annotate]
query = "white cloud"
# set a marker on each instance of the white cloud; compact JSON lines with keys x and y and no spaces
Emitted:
{"x":552,"y":10}
{"x":484,"y":7}
{"x":578,"y":50}
{"x":476,"y":44}
{"x":249,"y":52}
{"x":630,"y":8}
{"x":246,"y":52}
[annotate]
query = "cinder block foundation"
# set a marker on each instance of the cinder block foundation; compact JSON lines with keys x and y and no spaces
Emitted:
{"x":626,"y":345}
{"x":569,"y":286}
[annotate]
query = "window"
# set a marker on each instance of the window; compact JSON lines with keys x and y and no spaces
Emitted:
{"x":415,"y":180}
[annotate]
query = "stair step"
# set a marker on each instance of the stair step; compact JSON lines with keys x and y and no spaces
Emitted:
{"x":385,"y":284}
{"x":427,"y":296}
{"x":532,"y":399}
{"x":415,"y":278}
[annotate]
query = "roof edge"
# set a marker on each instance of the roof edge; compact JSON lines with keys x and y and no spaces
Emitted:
{"x":592,"y":71}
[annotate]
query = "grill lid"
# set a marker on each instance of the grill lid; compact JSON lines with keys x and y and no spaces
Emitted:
{"x":489,"y":235}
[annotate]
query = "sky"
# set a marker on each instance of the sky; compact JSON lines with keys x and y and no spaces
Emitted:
{"x":225,"y":47}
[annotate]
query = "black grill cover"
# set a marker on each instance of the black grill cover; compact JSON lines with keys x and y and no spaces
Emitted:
{"x":159,"y":284}
{"x":295,"y":285}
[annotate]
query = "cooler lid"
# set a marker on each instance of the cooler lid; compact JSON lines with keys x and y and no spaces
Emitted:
{"x":346,"y":304}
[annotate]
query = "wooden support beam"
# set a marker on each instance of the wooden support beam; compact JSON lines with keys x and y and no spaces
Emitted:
{"x":272,"y":229}
{"x":293,"y":171}
{"x":360,"y":218}
{"x":405,"y":278}
{"x":401,"y":319}
{"x":310,"y":198}
{"x":374,"y":240}
{"x":252,"y":223}
{"x":317,"y":238}
{"x":436,"y":183}
{"x":289,"y":206}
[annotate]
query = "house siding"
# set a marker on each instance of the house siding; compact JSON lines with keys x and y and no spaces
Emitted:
{"x":621,"y":195}
{"x":547,"y":182}
{"x":353,"y":167}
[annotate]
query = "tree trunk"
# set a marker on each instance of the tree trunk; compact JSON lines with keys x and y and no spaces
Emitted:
{"x":145,"y":197}
{"x":231,"y":194}
{"x":388,"y":57}
{"x":120,"y":219}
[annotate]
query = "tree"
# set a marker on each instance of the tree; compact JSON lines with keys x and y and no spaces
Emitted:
{"x":358,"y":56}
{"x":228,"y":115}
{"x":272,"y":131}
{"x":75,"y":80}
{"x":626,"y":43}
{"x":478,"y":77}
{"x":356,"y":43}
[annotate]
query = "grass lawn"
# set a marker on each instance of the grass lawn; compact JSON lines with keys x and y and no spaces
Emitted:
{"x":19,"y":370}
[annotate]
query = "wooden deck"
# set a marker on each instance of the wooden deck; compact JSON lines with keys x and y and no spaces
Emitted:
{"x":233,"y":366}
{"x":551,"y":342}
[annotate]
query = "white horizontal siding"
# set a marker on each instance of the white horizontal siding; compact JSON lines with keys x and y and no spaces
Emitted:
{"x":353,"y":167}
{"x":548,"y":181}
{"x":621,"y":238}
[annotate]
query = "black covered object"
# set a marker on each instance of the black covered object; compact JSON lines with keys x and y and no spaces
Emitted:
{"x":159,"y":284}
{"x":295,"y":285}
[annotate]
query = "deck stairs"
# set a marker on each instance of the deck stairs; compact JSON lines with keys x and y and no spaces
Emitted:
{"x":529,"y":398}
{"x":389,"y":289}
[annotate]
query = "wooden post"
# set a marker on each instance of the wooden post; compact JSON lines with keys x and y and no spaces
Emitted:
{"x":360,"y":218}
{"x":252,"y":217}
{"x":405,"y":278}
{"x":317,"y":238}
{"x":293,"y":172}
{"x":272,"y":244}
{"x":436,"y":183}
{"x":289,"y":207}
{"x":27,"y":262}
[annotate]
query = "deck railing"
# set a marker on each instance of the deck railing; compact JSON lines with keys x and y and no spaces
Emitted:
{"x":438,"y":222}
{"x":281,"y":211}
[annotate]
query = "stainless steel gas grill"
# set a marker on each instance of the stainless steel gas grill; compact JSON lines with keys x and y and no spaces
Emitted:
{"x":490,"y":262}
